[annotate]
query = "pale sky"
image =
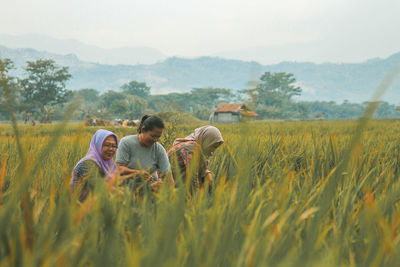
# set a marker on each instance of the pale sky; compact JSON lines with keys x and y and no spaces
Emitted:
{"x":352,"y":30}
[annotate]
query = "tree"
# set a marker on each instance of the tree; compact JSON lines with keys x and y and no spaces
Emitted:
{"x":109,"y":97}
{"x":119,"y":108}
{"x":202,"y":112}
{"x":210,"y":96}
{"x":88,"y":107}
{"x":45,"y":85}
{"x":88,"y":94}
{"x":168,"y":102}
{"x":385,"y":110}
{"x":136,"y":107}
{"x":6,"y":66}
{"x":275,"y":89}
{"x":11,"y":82}
{"x":139,"y":89}
{"x":122,"y":105}
{"x":131,"y":107}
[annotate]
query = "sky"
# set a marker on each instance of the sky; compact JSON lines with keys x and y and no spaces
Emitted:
{"x":341,"y":30}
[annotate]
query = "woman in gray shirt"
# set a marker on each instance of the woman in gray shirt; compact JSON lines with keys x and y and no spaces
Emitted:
{"x":143,"y":154}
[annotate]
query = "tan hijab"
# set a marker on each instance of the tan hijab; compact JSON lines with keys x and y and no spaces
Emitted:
{"x":206,"y":136}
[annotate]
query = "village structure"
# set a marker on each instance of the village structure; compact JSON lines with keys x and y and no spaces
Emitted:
{"x":232,"y":113}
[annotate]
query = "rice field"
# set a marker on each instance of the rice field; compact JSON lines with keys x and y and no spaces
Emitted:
{"x":285,"y":194}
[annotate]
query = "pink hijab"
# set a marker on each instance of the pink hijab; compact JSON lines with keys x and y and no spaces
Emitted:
{"x":107,"y":167}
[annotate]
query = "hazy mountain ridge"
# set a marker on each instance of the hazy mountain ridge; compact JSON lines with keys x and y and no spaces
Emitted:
{"x":354,"y":82}
{"x":92,"y":53}
{"x":314,"y":51}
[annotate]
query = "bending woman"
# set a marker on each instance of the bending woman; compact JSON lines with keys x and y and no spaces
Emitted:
{"x":98,"y":162}
{"x":196,"y":149}
{"x":143,"y":155}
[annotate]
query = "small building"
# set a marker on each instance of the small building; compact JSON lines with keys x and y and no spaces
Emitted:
{"x":232,"y":113}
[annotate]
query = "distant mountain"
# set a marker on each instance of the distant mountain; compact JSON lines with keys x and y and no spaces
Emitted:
{"x":328,"y":82}
{"x":277,"y":53}
{"x":317,"y":52}
{"x":123,"y":55}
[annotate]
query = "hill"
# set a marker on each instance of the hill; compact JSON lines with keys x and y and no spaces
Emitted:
{"x":123,"y":55}
{"x":328,"y":81}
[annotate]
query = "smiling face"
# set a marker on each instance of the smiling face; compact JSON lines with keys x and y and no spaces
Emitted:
{"x":109,"y":147}
{"x":148,"y":138}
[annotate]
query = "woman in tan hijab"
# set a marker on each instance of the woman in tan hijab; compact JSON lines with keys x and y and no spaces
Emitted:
{"x":191,"y":155}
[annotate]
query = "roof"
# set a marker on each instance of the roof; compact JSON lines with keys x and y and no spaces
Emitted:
{"x":248,"y":113}
{"x":229,"y":107}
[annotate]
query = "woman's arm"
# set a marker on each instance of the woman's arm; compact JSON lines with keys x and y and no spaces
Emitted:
{"x":208,"y":178}
{"x":85,"y":175}
{"x":164,"y":166}
{"x":129,"y":173}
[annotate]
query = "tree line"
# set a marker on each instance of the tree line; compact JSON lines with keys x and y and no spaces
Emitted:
{"x":41,"y":95}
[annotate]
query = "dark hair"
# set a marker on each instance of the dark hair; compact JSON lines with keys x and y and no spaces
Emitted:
{"x":150,"y":122}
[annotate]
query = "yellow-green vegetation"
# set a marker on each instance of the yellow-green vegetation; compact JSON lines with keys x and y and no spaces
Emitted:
{"x":285,"y":194}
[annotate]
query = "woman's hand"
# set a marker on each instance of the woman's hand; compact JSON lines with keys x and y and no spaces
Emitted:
{"x":144,"y":174}
{"x":209,"y":179}
{"x":124,"y":177}
{"x":156,"y":185}
{"x":125,"y":170}
{"x":127,"y":173}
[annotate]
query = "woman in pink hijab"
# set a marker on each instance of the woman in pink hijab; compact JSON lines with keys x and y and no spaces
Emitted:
{"x":98,"y":161}
{"x":195,"y":149}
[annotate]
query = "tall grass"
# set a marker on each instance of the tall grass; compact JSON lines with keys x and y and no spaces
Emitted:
{"x":270,"y":204}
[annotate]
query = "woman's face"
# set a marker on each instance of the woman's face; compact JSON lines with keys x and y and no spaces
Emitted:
{"x":211,"y":149}
{"x":109,"y":147}
{"x":148,"y":138}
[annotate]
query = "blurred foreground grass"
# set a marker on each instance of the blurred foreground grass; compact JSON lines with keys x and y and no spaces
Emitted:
{"x":283,"y":197}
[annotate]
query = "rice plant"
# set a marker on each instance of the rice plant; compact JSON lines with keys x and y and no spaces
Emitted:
{"x":274,"y":202}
